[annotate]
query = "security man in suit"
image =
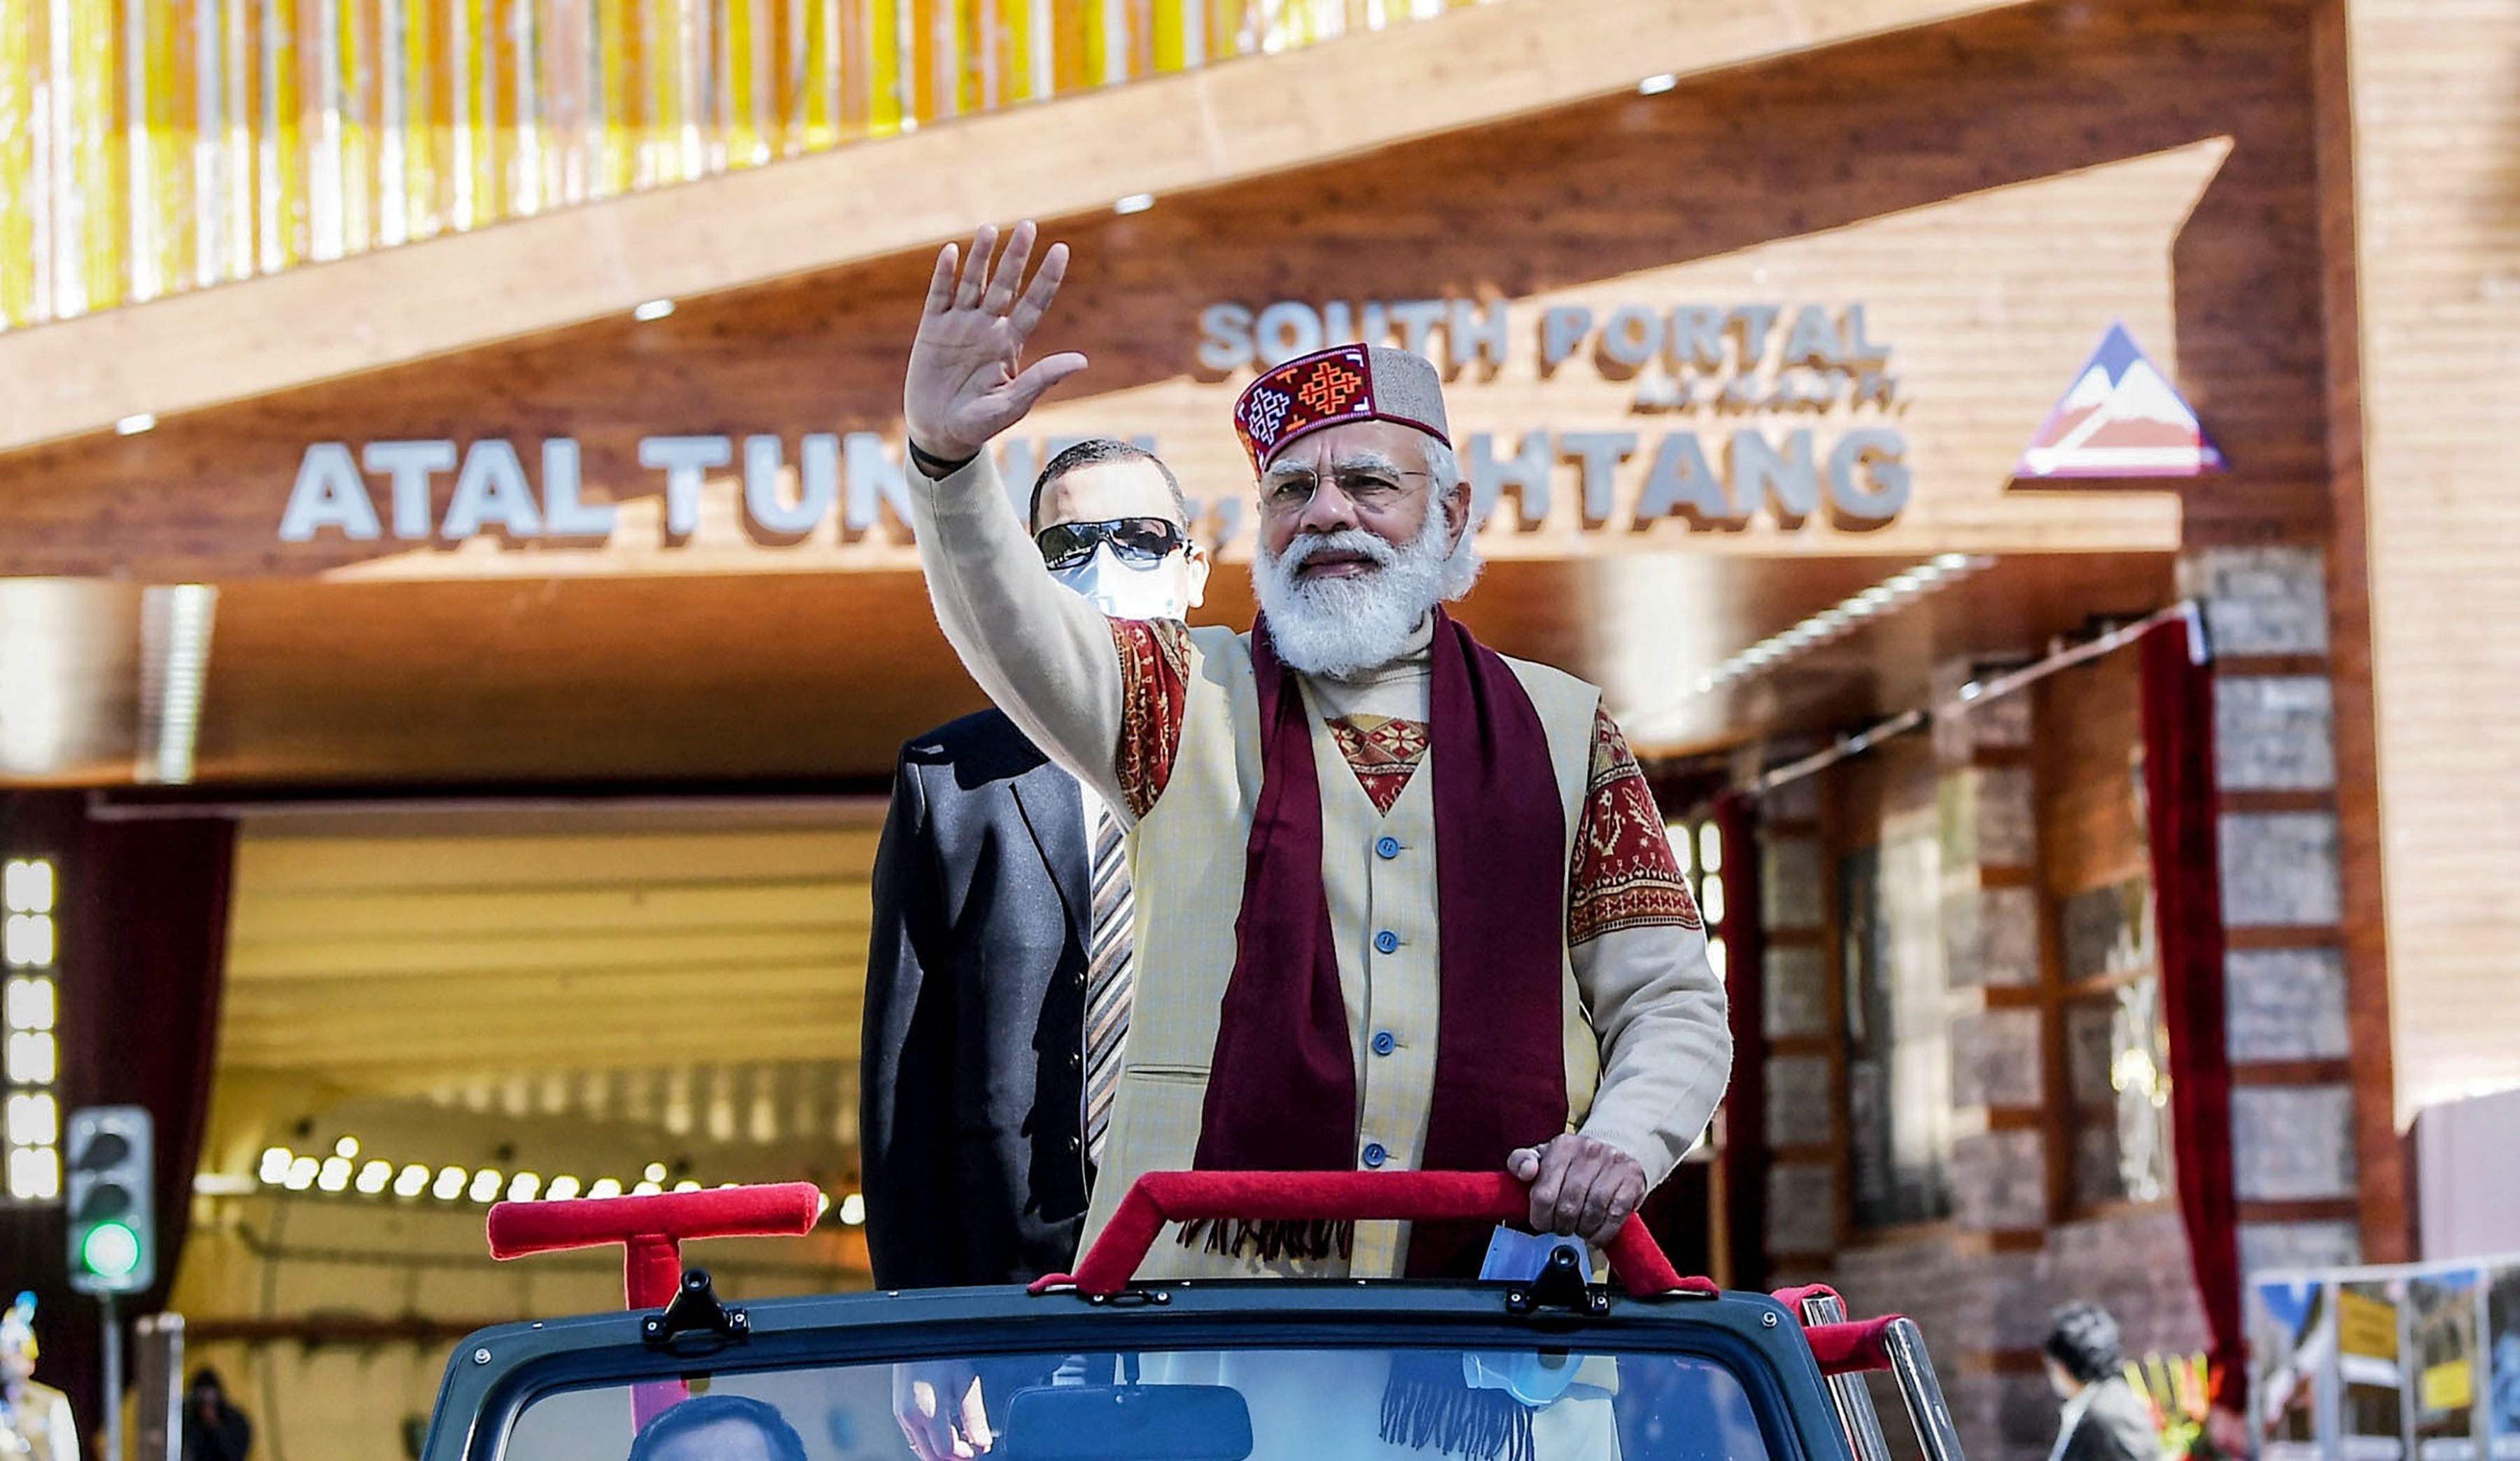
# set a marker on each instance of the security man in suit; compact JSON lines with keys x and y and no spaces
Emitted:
{"x":988,"y":1011}
{"x":998,"y":978}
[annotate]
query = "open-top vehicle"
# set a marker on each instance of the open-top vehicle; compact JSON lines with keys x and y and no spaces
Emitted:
{"x":1547,"y":1365}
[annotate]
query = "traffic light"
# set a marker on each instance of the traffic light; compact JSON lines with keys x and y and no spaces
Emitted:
{"x":114,"y":1237}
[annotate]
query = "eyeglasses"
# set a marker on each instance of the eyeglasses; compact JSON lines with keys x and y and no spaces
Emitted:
{"x":1371,"y":488}
{"x":1064,"y":545}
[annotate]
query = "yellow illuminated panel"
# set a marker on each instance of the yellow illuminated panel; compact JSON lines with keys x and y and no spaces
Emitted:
{"x":147,"y":148}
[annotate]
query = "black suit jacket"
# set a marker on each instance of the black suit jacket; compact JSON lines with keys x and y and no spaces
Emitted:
{"x":973,"y":1066}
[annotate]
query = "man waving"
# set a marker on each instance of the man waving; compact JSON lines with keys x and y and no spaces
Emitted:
{"x":1402,"y":904}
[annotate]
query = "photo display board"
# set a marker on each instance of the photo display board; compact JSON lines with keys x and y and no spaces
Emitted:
{"x":2414,"y":1362}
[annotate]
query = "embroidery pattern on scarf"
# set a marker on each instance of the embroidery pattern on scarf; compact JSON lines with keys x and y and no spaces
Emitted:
{"x":1154,"y":671}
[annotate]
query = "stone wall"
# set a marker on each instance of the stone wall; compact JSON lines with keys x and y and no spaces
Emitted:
{"x":2035,"y":959}
{"x":2295,"y":1112}
{"x":1973,"y":1303}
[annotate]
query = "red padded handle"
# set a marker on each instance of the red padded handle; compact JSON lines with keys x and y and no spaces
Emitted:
{"x":1847,"y":1348}
{"x":653,"y":1228}
{"x":650,"y":1231}
{"x":1856,"y":1346}
{"x":784,"y":1210}
{"x":1159,"y":1197}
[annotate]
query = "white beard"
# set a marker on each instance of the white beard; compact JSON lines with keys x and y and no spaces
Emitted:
{"x":1340,"y":628}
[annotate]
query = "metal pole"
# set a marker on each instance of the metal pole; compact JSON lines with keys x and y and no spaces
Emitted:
{"x":158,"y":1378}
{"x":1977,"y":694}
{"x":1935,"y":1434}
{"x":1855,"y":1413}
{"x":112,"y":1424}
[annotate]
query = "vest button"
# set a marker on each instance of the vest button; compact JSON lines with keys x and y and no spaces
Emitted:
{"x":1387,"y":849}
{"x":1375,"y":1155}
{"x":1387,"y":941}
{"x":1384,"y":1042}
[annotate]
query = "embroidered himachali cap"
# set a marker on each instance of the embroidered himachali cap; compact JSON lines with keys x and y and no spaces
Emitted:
{"x":1334,"y":386}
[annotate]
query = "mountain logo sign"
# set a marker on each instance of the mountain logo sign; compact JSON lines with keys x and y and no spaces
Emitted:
{"x":2121,"y":417}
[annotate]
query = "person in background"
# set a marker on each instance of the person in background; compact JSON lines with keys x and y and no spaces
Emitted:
{"x":717,"y":1427}
{"x":35,"y":1420}
{"x":2103,"y":1418}
{"x":999,"y":976}
{"x":215,"y":1430}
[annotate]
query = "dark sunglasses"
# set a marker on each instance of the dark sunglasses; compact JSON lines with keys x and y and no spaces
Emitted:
{"x":1064,"y":545}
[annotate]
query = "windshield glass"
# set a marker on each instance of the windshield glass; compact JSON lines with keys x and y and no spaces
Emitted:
{"x":1209,"y":1405}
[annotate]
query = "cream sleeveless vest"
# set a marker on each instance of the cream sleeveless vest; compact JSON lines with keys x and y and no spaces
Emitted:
{"x":1378,"y":871}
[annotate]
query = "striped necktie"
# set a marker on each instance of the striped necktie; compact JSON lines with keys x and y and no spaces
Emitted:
{"x":1108,"y":981}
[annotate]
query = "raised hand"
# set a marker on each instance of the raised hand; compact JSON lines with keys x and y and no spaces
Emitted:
{"x":967,"y":381}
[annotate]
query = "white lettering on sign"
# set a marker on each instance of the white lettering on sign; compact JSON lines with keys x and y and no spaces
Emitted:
{"x":330,"y":493}
{"x":1862,"y":481}
{"x":858,"y":478}
{"x":1711,"y":339}
{"x":1759,"y":359}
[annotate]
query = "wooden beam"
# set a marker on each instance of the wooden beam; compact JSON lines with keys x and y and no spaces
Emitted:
{"x":1217,"y":125}
{"x":278,"y":863}
{"x":426,"y":1082}
{"x":467,"y":989}
{"x":448,"y":1055}
{"x":418,"y":959}
{"x":327,"y":917}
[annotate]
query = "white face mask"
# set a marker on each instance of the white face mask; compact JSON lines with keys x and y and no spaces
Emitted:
{"x":1130,"y":590}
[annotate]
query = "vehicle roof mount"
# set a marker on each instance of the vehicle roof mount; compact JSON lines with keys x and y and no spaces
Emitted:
{"x":1561,"y":1285}
{"x":696,"y":1309}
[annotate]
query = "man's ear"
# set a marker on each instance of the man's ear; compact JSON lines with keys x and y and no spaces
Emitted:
{"x":1196,"y":565}
{"x":1456,"y":510}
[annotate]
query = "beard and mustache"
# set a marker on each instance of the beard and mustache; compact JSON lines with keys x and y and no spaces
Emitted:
{"x":1341,"y":627}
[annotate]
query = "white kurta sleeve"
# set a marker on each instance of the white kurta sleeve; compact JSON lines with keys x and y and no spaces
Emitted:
{"x":1666,"y":1041}
{"x":1637,"y":943}
{"x":1042,"y":653}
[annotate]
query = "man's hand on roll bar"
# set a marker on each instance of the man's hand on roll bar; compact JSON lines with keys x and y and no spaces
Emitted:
{"x":1580,"y":1186}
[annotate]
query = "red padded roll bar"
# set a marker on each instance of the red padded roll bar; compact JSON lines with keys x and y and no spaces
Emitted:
{"x":650,"y":1231}
{"x":653,"y":1228}
{"x":1847,"y":1346}
{"x":1337,"y":1197}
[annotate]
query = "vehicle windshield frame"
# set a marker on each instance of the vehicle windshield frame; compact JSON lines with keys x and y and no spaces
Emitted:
{"x":496,"y":1374}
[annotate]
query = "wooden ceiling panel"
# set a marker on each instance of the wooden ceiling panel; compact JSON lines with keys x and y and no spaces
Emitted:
{"x":278,"y":863}
{"x":474,"y":1044}
{"x":778,"y":676}
{"x":815,"y":681}
{"x":418,"y":951}
{"x":553,"y":951}
{"x":641,"y":908}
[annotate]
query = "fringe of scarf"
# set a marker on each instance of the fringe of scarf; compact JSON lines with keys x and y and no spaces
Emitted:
{"x":1311,"y":1239}
{"x":1428,"y":1403}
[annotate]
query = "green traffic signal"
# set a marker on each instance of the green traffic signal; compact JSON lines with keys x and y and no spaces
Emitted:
{"x":106,"y":1155}
{"x":110,"y":1250}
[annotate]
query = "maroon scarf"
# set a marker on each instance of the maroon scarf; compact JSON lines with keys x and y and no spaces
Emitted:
{"x":1281,"y":1095}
